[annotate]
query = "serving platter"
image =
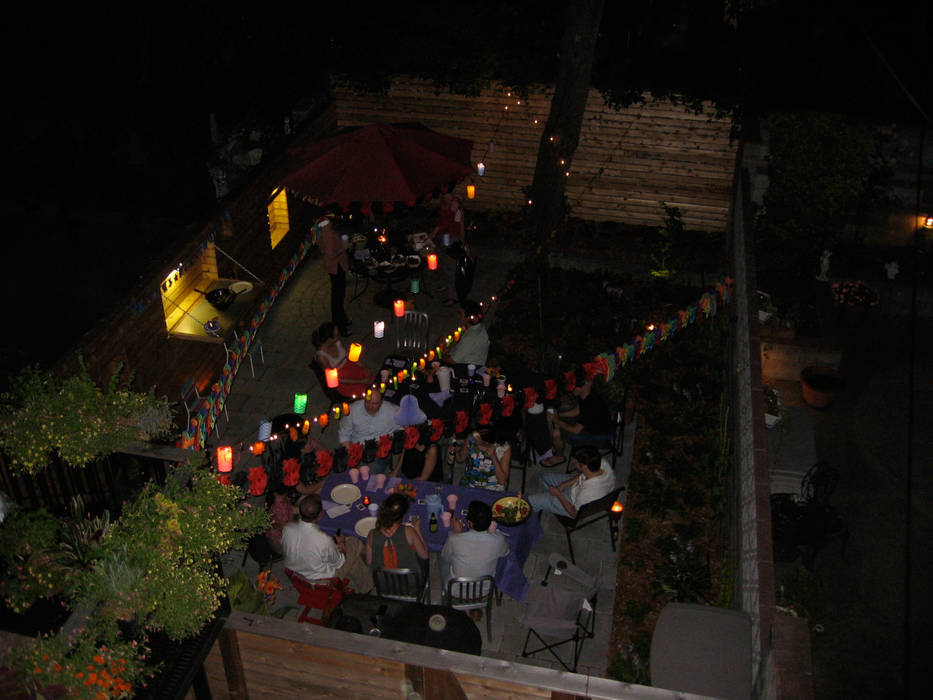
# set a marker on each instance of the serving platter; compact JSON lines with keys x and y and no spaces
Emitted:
{"x":501,"y":510}
{"x":344,"y":494}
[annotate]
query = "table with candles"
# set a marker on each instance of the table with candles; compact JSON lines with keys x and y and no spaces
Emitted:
{"x":347,"y":507}
{"x":391,"y":258}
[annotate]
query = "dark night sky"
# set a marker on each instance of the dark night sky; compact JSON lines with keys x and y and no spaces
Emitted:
{"x":107,"y":103}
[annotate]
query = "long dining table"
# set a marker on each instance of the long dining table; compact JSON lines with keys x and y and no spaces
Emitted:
{"x":510,"y":576}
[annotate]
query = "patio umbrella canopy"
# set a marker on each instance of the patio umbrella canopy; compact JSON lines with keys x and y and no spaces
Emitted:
{"x":378,"y":163}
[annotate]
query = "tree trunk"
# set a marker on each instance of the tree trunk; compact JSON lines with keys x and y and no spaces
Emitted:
{"x":562,"y":131}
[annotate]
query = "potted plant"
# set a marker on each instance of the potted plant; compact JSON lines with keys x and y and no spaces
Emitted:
{"x":818,"y":384}
{"x":854,"y":298}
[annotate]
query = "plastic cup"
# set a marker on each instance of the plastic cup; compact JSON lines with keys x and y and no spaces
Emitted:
{"x":373,"y":508}
{"x":354,"y":474}
{"x":452,"y":501}
{"x":485,"y":379}
{"x":445,"y":518}
{"x":380,"y":480}
{"x":471,"y":369}
{"x":383,"y":375}
{"x":364,"y":472}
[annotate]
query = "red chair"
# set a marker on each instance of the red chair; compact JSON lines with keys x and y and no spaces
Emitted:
{"x":323,"y":595}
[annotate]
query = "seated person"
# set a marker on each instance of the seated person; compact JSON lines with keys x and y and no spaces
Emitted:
{"x":354,"y":377}
{"x":369,"y":419}
{"x":393,"y":544}
{"x":563,"y":496}
{"x":473,"y":347}
{"x":281,"y":512}
{"x":592,"y":416}
{"x":487,"y":456}
{"x":313,"y":554}
{"x":473,"y":551}
{"x":420,"y":461}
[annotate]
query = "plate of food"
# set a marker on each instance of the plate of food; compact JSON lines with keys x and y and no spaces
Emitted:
{"x":344,"y":494}
{"x":365,"y":525}
{"x":511,"y":510}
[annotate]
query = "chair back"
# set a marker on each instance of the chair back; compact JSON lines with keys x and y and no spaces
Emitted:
{"x":191,"y":397}
{"x":470,"y":593}
{"x":594,"y":510}
{"x":411,"y":335}
{"x":819,"y":483}
{"x":400,"y":584}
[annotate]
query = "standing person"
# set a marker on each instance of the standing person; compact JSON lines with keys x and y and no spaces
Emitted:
{"x":474,"y":551}
{"x":313,"y":554}
{"x":563,"y":496}
{"x":337,"y":264}
{"x":393,"y":544}
{"x":473,"y":348}
{"x":450,"y":231}
{"x":354,"y":377}
{"x":369,"y":419}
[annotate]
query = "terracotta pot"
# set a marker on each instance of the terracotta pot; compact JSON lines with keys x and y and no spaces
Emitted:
{"x":818,"y":383}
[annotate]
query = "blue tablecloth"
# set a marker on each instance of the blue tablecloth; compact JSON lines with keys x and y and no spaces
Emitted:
{"x":510,"y":577}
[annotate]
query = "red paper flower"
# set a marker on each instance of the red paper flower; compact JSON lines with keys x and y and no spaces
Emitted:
{"x":437,"y":429}
{"x":570,"y":380}
{"x":463,"y":420}
{"x":412,"y":435}
{"x":531,"y":396}
{"x":508,"y":405}
{"x":324,"y":462}
{"x":485,"y":413}
{"x":385,"y":446}
{"x":258,"y":480}
{"x":550,"y":389}
{"x":354,"y":454}
{"x":224,"y":478}
{"x":590,"y":369}
{"x":290,"y":468}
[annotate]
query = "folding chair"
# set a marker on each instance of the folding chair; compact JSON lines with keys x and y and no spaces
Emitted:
{"x":473,"y":594}
{"x":590,"y":513}
{"x":401,"y":584}
{"x":191,"y":397}
{"x":323,"y":595}
{"x":255,"y":347}
{"x":561,"y":611}
{"x":411,"y":334}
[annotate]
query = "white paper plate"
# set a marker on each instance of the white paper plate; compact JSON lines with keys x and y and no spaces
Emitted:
{"x":365,"y":525}
{"x":241,"y":287}
{"x":344,"y":494}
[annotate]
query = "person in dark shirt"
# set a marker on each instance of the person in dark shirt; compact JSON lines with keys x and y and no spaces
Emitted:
{"x":591,"y":414}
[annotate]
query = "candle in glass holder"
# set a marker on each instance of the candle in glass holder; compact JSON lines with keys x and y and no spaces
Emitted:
{"x":399,"y":306}
{"x":379,"y":329}
{"x":471,"y":191}
{"x":333,"y":379}
{"x":225,"y":459}
{"x":480,"y":169}
{"x":432,"y":261}
{"x":354,"y":354}
{"x":415,"y":286}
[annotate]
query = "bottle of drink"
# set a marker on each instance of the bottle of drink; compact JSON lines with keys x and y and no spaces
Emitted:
{"x":432,"y":525}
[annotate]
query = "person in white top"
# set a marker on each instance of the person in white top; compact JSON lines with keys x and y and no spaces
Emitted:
{"x":369,"y":419}
{"x":563,"y":496}
{"x":313,"y":554}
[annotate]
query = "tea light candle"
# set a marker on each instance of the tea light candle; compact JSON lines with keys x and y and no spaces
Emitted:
{"x":399,"y":306}
{"x":432,"y":261}
{"x":379,"y":329}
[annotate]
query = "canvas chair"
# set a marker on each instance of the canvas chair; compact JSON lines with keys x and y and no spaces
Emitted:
{"x":560,"y":611}
{"x":473,"y":594}
{"x":592,"y":512}
{"x":411,"y":334}
{"x":401,"y":584}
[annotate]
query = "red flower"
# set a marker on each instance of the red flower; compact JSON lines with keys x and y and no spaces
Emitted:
{"x":354,"y":454}
{"x":550,"y":389}
{"x":412,"y":435}
{"x":463,"y":420}
{"x":224,"y":478}
{"x":531,"y":396}
{"x":385,"y":446}
{"x":485,"y":413}
{"x":437,"y":429}
{"x":258,"y":480}
{"x":324,"y":462}
{"x":290,"y":469}
{"x":570,"y":380}
{"x":508,"y":405}
{"x":590,"y":369}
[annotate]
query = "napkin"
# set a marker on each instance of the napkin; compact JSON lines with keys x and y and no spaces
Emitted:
{"x":334,"y":510}
{"x":393,"y":482}
{"x":371,"y":484}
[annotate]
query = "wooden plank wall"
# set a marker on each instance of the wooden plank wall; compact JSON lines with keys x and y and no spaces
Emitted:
{"x":627,"y":161}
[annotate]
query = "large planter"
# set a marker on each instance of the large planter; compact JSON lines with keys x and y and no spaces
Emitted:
{"x":818,"y":384}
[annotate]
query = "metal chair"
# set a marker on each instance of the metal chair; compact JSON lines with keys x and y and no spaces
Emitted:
{"x":401,"y":584}
{"x":590,"y":513}
{"x":255,"y":347}
{"x":473,"y":594}
{"x":191,"y":398}
{"x":561,"y":611}
{"x":411,"y":334}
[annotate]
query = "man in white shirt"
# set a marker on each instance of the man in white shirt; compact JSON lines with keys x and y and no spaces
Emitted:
{"x":312,"y":553}
{"x":475,"y":551}
{"x":473,"y":348}
{"x":369,"y":419}
{"x":563,"y":496}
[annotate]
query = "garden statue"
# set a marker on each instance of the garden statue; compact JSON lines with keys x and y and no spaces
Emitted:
{"x":824,"y":265}
{"x":892,"y":268}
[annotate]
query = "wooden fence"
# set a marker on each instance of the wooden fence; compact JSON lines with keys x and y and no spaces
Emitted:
{"x":628,"y":160}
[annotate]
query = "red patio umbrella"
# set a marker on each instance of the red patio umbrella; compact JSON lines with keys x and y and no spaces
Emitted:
{"x":379,"y":163}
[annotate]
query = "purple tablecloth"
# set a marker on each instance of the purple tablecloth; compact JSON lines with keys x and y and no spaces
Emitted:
{"x":510,"y":578}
